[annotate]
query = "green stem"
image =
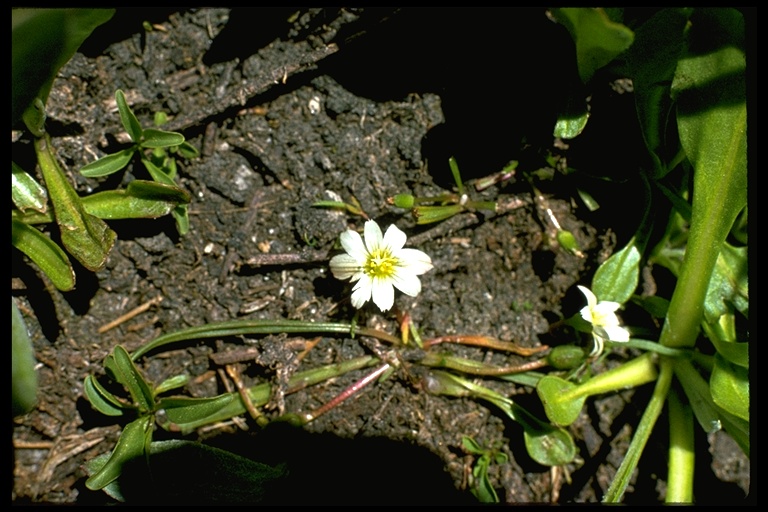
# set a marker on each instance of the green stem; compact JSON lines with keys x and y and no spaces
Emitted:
{"x":636,"y":372}
{"x":245,"y":327}
{"x":682,"y":454}
{"x":644,"y":428}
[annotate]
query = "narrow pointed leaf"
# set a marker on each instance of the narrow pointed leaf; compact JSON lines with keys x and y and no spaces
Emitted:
{"x":108,"y":164}
{"x":154,"y":138}
{"x":86,"y":237}
{"x":23,"y":375}
{"x":128,"y":118}
{"x":131,"y":446}
{"x":101,"y":399}
{"x":46,"y":254}
{"x":26,"y":192}
{"x":129,"y":376}
{"x":182,"y":410}
{"x":142,"y":199}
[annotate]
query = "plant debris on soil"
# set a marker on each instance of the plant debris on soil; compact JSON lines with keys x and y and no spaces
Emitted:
{"x":288,"y":109}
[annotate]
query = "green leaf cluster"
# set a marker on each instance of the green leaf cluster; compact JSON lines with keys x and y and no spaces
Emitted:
{"x":688,"y":71}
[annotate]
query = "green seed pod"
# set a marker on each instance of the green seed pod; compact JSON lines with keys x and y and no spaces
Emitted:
{"x":565,"y":357}
{"x":568,"y":242}
{"x":403,"y":200}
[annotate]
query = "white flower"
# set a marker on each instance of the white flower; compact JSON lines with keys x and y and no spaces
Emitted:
{"x":602,"y":316}
{"x":379,"y":264}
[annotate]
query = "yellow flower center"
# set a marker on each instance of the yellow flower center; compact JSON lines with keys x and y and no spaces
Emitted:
{"x":380,"y":263}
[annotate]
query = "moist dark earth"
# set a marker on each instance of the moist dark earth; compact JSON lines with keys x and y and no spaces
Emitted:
{"x":290,"y":107}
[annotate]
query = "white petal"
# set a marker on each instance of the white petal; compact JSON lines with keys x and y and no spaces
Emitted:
{"x":394,"y":238}
{"x":407,"y":283}
{"x":373,"y":236}
{"x":344,"y":266}
{"x":586,"y":314}
{"x":353,"y":244}
{"x":414,"y":261}
{"x":606,"y":307}
{"x":361,"y":293}
{"x":591,"y":299}
{"x":616,"y":333}
{"x":383,"y":293}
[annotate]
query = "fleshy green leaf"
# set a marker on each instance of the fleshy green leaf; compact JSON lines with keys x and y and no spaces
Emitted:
{"x":175,"y":382}
{"x":598,"y":39}
{"x":128,"y":118}
{"x":46,"y":254}
{"x":108,"y":164}
{"x":154,"y":138}
{"x":729,"y":286}
{"x":736,"y":353}
{"x":182,"y":410}
{"x":572,"y":121}
{"x":141,"y":199}
{"x":23,"y":375}
{"x":42,"y":41}
{"x":729,"y":384}
{"x":699,"y":395}
{"x":659,"y":43}
{"x":101,"y":399}
{"x":86,"y":237}
{"x":133,"y":444}
{"x":710,"y":89}
{"x":616,"y":279}
{"x":188,"y":473}
{"x":129,"y":376}
{"x":26,"y":192}
{"x":559,"y":411}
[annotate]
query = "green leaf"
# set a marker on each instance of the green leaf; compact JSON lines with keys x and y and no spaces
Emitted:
{"x":659,"y":43}
{"x":737,"y":428}
{"x":188,"y":151}
{"x":598,"y":39}
{"x":736,"y":353}
{"x":133,"y":444}
{"x":549,"y":445}
{"x":128,"y":118}
{"x":655,"y":305}
{"x":572,"y":121}
{"x":471,"y":445}
{"x":141,"y":200}
{"x":182,"y":410}
{"x":710,"y":89}
{"x":616,"y":279}
{"x":174,"y":382}
{"x":26,"y":192}
{"x":42,"y":41}
{"x":181,"y":215}
{"x":23,"y":375}
{"x":154,"y":138}
{"x":46,"y":254}
{"x":729,"y":285}
{"x":128,"y":375}
{"x":189,"y":473}
{"x":559,"y":411}
{"x":729,"y":384}
{"x":108,"y":164}
{"x":699,"y":395}
{"x":86,"y":237}
{"x":101,"y":399}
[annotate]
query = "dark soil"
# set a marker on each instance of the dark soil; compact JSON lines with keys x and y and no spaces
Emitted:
{"x":360,"y":104}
